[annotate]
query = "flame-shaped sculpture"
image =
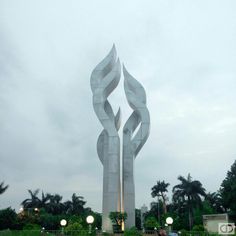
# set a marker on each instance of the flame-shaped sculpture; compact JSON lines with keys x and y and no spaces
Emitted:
{"x":102,"y":143}
{"x":136,"y":98}
{"x":104,"y":79}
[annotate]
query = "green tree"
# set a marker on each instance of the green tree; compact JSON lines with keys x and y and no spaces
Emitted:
{"x":198,"y":212}
{"x":215,"y":201}
{"x":33,"y":201}
{"x":50,"y":221}
{"x":228,"y":190}
{"x":97,"y":220}
{"x":117,"y":218}
{"x":189,"y":192}
{"x":3,"y":188}
{"x":8,"y":219}
{"x":55,"y":206}
{"x":44,"y":200}
{"x":159,"y":190}
{"x":150,"y":223}
{"x":156,"y":211}
{"x":177,"y":210}
{"x":138,"y":219}
{"x":76,"y":205}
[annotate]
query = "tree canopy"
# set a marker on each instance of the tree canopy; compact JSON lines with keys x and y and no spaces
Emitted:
{"x":3,"y":188}
{"x":188,"y":192}
{"x":159,"y":190}
{"x":228,"y":190}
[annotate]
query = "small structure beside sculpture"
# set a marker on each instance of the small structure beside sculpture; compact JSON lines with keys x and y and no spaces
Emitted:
{"x":118,"y":195}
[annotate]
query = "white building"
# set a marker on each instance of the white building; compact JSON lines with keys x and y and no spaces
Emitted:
{"x":211,"y":222}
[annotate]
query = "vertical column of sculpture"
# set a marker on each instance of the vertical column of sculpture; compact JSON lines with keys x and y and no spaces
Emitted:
{"x":104,"y":79}
{"x":136,"y":98}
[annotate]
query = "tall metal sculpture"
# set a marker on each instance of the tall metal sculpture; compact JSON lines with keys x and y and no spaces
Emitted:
{"x":104,"y":79}
{"x":136,"y":98}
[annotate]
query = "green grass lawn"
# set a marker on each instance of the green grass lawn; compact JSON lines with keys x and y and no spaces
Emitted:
{"x":26,"y":233}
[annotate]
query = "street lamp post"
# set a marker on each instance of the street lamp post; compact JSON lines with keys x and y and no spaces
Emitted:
{"x":155,"y":230}
{"x":158,"y":209}
{"x":169,"y":222}
{"x":63,"y":223}
{"x":90,"y":220}
{"x":36,"y":210}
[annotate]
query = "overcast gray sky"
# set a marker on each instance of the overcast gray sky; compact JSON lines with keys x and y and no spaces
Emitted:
{"x":184,"y":54}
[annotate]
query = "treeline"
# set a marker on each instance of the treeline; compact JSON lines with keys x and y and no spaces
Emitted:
{"x":47,"y":211}
{"x":189,"y":201}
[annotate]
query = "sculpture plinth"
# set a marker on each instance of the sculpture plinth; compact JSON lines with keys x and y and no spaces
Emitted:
{"x":104,"y":79}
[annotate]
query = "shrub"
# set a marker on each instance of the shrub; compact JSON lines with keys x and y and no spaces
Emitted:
{"x":32,"y":227}
{"x":132,"y":232}
{"x":73,"y":229}
{"x":77,"y":229}
{"x":198,"y":228}
{"x":184,"y":232}
{"x":150,"y":223}
{"x":117,"y":217}
{"x":50,"y":222}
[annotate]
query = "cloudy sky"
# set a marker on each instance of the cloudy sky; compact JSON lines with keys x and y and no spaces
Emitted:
{"x":184,"y":54}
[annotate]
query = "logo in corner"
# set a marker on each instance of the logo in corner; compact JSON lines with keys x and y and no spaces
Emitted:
{"x":226,"y":228}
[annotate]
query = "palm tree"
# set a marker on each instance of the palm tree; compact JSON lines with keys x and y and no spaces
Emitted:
{"x":76,"y":205}
{"x":189,"y":192}
{"x":159,"y":190}
{"x":3,"y":188}
{"x":44,"y":200}
{"x":33,"y":201}
{"x":54,"y":206}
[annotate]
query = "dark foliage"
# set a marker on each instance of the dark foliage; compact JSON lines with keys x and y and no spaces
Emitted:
{"x":228,"y":190}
